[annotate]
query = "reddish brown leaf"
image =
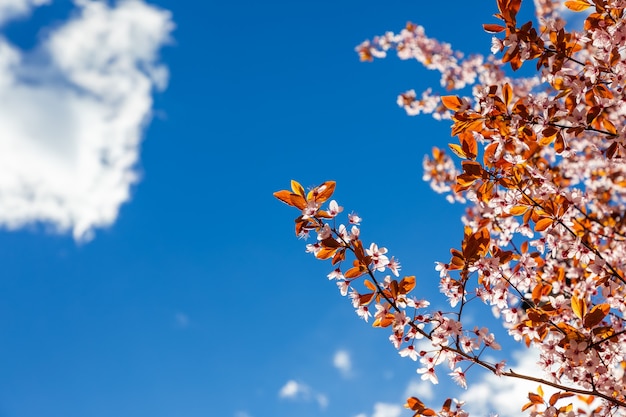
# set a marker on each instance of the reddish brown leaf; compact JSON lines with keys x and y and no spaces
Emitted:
{"x":493,"y":28}
{"x":507,"y":93}
{"x":535,"y":398}
{"x":596,"y":315}
{"x":365,"y":299}
{"x":559,"y":144}
{"x":414,"y":403}
{"x":558,"y":395}
{"x":330,"y":242}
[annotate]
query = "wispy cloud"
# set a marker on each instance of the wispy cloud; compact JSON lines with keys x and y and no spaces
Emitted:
{"x":72,"y":113}
{"x":387,"y":410}
{"x":420,"y":389}
{"x":182,"y":320}
{"x":10,"y":9}
{"x":342,"y":361}
{"x":299,"y":391}
{"x":293,"y":389}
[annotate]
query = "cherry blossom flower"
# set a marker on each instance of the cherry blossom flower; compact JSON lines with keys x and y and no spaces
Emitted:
{"x":458,"y":376}
{"x":363,"y":312}
{"x":334,"y":209}
{"x":379,"y":260}
{"x":394,"y":266}
{"x":335,"y":274}
{"x":410,"y":352}
{"x":354,"y":219}
{"x":428,"y":374}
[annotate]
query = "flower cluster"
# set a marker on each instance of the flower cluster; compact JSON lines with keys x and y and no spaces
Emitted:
{"x":543,"y":173}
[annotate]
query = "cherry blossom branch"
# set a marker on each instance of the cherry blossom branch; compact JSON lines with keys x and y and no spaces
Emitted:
{"x":475,"y":359}
{"x":585,"y":244}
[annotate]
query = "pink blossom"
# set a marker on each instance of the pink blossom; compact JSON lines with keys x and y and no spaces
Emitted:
{"x":458,"y":376}
{"x":428,"y":374}
{"x":410,"y":352}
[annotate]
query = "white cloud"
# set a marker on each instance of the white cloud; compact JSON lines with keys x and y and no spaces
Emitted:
{"x":322,"y":401}
{"x":502,"y":395}
{"x":342,"y":361}
{"x":72,"y":114}
{"x":506,"y":396}
{"x":299,"y":391}
{"x":10,"y":9}
{"x":420,"y":389}
{"x":386,"y":410}
{"x":293,"y":389}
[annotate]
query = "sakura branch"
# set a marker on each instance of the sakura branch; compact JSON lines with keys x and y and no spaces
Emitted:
{"x":543,"y":176}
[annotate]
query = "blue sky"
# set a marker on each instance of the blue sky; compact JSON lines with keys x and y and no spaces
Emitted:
{"x":146,"y":268}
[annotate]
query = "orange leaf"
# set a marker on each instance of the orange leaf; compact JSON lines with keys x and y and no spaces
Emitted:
{"x":322,"y":192}
{"x":385,"y":321}
{"x":325,"y":253}
{"x":469,"y":145}
{"x":453,"y":103}
{"x":369,"y":284}
{"x":298,"y":201}
{"x":457,"y":150}
{"x":518,"y":210}
{"x":507,"y":93}
{"x":579,"y":307}
{"x":284,"y":196}
{"x":406,"y":285}
{"x":297,"y":188}
{"x":339,"y":256}
{"x":543,"y":224}
{"x":577,"y":5}
{"x":354,"y":272}
{"x":609,"y":127}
